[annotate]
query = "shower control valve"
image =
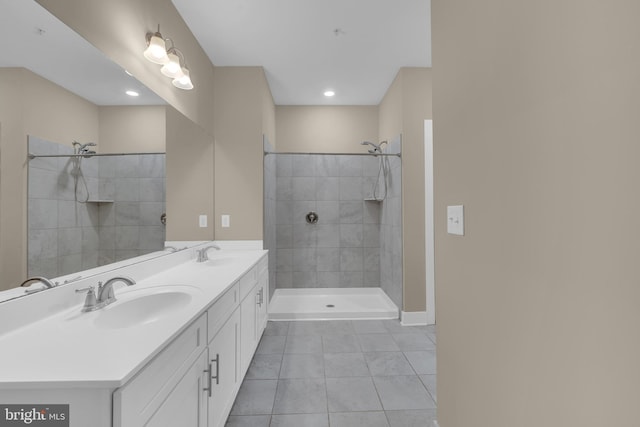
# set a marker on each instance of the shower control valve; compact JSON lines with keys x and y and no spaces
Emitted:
{"x":312,"y":217}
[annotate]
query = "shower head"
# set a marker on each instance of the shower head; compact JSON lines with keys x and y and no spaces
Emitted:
{"x":82,"y":148}
{"x":376,"y":148}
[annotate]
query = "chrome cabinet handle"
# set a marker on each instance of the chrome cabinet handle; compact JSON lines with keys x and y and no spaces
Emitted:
{"x":216,"y":377}
{"x":208,"y":371}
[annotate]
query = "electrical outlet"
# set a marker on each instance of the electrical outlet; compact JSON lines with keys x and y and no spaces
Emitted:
{"x":202,"y":221}
{"x":226,"y":221}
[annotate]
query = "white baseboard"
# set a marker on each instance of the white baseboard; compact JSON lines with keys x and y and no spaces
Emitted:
{"x":413,"y":318}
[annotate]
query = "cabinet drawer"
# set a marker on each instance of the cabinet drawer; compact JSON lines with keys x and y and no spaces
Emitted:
{"x":140,"y":398}
{"x":219,"y":312}
{"x":248,"y":281}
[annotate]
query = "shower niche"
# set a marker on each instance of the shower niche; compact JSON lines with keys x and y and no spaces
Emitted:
{"x":86,"y":209}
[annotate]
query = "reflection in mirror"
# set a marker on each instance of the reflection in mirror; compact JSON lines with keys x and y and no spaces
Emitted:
{"x":58,"y":87}
{"x":86,"y":209}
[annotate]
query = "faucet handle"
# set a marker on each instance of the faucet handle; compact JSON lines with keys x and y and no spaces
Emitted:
{"x":90,"y":303}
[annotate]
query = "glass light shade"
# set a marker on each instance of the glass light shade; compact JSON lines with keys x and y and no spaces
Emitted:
{"x":156,"y":52}
{"x":183,"y":82}
{"x":172,"y":68}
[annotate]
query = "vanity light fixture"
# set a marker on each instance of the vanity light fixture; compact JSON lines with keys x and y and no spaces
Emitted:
{"x":172,"y":60}
{"x":156,"y":50}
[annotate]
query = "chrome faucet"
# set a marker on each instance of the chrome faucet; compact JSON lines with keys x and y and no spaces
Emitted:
{"x":48,"y":283}
{"x":202,"y":253}
{"x":105,"y":292}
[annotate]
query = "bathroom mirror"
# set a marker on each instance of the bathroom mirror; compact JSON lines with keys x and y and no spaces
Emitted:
{"x":45,"y":94}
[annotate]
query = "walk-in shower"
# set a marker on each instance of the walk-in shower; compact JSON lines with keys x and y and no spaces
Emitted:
{"x":87,"y":209}
{"x":347,"y":263}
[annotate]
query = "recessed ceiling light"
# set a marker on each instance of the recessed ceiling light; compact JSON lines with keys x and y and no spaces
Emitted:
{"x":132,"y":93}
{"x":329,"y":93}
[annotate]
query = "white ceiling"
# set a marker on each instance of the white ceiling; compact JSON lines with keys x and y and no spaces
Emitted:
{"x":34,"y":39}
{"x":354,"y":47}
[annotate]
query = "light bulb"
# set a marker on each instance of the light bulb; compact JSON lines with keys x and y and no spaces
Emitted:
{"x":172,"y":68}
{"x":156,"y":52}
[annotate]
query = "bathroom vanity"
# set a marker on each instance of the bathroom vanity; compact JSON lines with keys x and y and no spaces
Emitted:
{"x":171,"y":351}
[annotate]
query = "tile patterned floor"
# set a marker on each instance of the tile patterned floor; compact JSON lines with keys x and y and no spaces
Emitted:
{"x":373,"y":373}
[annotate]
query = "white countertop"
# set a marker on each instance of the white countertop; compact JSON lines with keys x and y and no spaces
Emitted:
{"x":66,"y":349}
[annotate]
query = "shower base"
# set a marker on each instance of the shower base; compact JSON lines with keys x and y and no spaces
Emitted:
{"x":331,"y":303}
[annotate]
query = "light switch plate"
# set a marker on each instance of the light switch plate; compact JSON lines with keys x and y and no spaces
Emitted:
{"x":202,"y":221}
{"x":455,"y":220}
{"x":226,"y":221}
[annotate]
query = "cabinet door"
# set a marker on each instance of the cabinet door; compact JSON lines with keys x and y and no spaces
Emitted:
{"x":186,"y":405}
{"x":263,"y":304}
{"x":249,"y":339}
{"x":224,"y":362}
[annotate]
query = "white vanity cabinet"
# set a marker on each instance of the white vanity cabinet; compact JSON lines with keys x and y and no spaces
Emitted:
{"x":254,"y":294}
{"x":189,"y":381}
{"x":224,"y":358}
{"x":175,"y":378}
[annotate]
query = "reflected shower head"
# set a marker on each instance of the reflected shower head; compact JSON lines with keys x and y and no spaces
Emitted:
{"x":375,"y":149}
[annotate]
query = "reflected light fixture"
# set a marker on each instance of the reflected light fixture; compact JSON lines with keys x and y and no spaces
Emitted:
{"x":329,"y":93}
{"x":156,"y":50}
{"x":172,"y":60}
{"x":132,"y":93}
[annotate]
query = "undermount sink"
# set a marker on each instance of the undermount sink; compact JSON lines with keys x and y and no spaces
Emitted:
{"x":145,"y":306}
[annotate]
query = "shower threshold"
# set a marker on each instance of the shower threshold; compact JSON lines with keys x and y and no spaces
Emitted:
{"x":331,"y":303}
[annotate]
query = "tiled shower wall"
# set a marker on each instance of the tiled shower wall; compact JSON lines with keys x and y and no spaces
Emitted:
{"x":270,"y":212}
{"x":391,"y":227}
{"x":65,"y":236}
{"x":343,"y":248}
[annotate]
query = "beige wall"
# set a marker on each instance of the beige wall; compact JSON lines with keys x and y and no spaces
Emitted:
{"x":118,"y":28}
{"x":242,"y":116}
{"x":403,"y":110}
{"x":127,"y":129}
{"x":325,"y":129}
{"x":536,"y":133}
{"x":31,"y":105}
{"x":190,"y":178}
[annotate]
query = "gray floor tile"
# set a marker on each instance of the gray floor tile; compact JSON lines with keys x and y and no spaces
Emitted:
{"x":255,"y":397}
{"x":264,"y":367}
{"x":301,"y":396}
{"x":368,"y":327}
{"x":305,"y":328}
{"x":248,"y":421}
{"x":358,"y":419}
{"x":276,"y":328}
{"x":394,"y":326}
{"x":377,"y":342}
{"x":413,"y":418}
{"x":429,"y":382}
{"x":345,"y":365}
{"x":403,"y":392}
{"x":271,"y":345}
{"x":352,"y":394}
{"x":302,"y":366}
{"x":387,"y":363}
{"x":303,"y":344}
{"x":415,"y":341}
{"x":300,"y":420}
{"x":340,"y":344}
{"x":337,"y":327}
{"x":423,"y":362}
